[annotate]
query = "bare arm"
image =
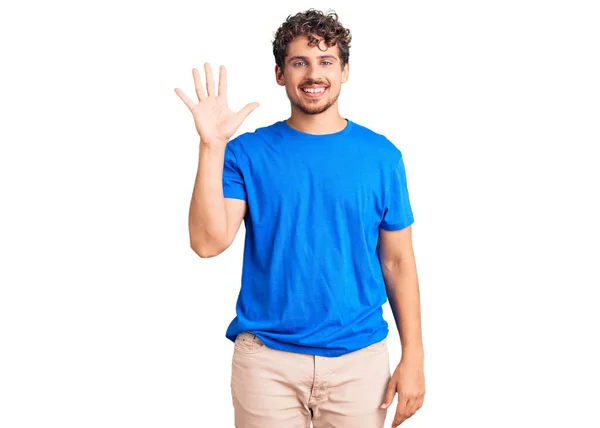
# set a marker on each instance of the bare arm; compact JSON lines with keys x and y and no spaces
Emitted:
{"x":402,"y":286}
{"x":400,"y":274}
{"x":213,"y":219}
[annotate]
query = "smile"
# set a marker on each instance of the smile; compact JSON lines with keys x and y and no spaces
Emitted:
{"x":313,"y":92}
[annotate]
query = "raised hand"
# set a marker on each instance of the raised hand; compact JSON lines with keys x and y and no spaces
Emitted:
{"x":215,"y":122}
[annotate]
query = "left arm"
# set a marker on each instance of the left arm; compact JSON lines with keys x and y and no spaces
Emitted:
{"x":400,"y":274}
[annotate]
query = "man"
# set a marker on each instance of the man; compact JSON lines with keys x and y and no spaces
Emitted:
{"x":328,"y":242}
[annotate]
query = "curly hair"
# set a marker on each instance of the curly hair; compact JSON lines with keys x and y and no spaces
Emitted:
{"x":306,"y":24}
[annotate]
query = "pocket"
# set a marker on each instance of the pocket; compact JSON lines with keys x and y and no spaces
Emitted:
{"x":248,"y":343}
{"x":377,"y":346}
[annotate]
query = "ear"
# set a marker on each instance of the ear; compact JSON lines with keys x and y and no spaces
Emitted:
{"x":279,"y":76}
{"x":345,"y":72}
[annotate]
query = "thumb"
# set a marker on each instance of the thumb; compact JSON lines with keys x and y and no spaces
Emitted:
{"x":244,"y":112}
{"x":389,"y":395}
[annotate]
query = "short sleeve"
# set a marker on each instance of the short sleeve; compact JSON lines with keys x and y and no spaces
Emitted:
{"x":398,"y":212}
{"x":233,"y":180}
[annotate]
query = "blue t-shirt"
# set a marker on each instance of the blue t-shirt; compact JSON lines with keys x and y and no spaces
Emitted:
{"x":311,"y":277}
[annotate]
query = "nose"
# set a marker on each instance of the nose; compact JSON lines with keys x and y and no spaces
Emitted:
{"x":313,"y":73}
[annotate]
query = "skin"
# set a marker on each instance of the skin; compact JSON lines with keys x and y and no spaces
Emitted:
{"x":320,"y":115}
{"x":400,"y":274}
{"x":216,"y":123}
{"x":213,"y":220}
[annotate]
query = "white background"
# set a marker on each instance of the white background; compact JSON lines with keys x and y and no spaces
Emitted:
{"x":109,"y":319}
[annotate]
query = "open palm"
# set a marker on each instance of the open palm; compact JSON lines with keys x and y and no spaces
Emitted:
{"x":215,"y":122}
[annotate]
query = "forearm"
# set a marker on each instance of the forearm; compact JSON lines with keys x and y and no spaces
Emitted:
{"x":402,"y":288}
{"x":208,"y":216}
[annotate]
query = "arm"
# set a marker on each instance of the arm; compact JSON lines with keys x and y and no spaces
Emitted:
{"x":402,"y":286}
{"x":400,"y":274}
{"x":213,"y":219}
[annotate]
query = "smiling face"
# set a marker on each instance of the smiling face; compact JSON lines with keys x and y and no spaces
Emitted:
{"x":312,"y":75}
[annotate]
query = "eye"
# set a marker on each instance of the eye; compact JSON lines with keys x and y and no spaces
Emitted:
{"x":301,"y":62}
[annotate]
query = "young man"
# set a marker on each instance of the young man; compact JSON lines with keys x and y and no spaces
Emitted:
{"x":328,"y":241}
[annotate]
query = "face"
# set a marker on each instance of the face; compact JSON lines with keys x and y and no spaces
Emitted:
{"x":316,"y":68}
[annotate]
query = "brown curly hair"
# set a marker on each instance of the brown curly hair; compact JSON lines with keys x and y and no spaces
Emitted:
{"x":311,"y":22}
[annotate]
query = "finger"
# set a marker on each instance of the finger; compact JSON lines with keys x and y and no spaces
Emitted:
{"x":419,"y":402}
{"x":245,"y":111}
{"x":398,"y":420}
{"x":198,"y":84}
{"x":400,"y":415}
{"x":188,"y":102}
{"x":411,"y":407}
{"x":210,"y":81}
{"x":223,"y":82}
{"x":389,"y":395}
{"x":402,"y":405}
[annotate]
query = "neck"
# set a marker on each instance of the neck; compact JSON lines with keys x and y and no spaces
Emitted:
{"x":327,"y":122}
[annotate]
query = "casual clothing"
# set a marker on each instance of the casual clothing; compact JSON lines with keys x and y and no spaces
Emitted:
{"x":278,"y":389}
{"x":311,"y":278}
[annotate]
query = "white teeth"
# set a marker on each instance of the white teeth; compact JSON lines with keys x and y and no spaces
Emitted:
{"x":313,"y":91}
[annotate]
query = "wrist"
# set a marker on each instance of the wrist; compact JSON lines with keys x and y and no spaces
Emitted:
{"x":413,"y":353}
{"x":213,"y":148}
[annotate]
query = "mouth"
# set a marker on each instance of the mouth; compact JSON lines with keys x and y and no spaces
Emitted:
{"x":313,"y":91}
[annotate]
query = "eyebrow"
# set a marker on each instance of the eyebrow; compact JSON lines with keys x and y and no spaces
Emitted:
{"x":305,"y":58}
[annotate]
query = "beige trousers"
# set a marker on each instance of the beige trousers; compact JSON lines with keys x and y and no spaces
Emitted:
{"x":279,"y":389}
